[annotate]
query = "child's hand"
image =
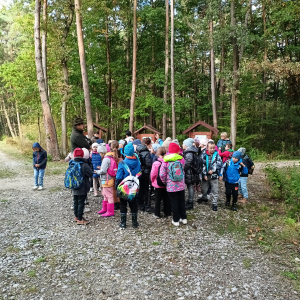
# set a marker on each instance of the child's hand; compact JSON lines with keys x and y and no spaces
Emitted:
{"x":221,"y":178}
{"x":205,"y":177}
{"x":242,"y":164}
{"x":37,"y":165}
{"x":99,"y":168}
{"x":210,"y":172}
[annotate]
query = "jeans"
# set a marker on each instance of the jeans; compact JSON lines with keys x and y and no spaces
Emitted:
{"x":79,"y":205}
{"x":132,"y":205}
{"x":243,"y":187}
{"x":191,"y":191}
{"x":214,"y":184}
{"x":143,"y":196}
{"x":232,"y":189}
{"x":162,"y":194}
{"x":39,"y":177}
{"x":177,"y":200}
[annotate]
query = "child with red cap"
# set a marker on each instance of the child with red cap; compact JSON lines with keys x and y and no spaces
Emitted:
{"x":79,"y":195}
{"x":172,"y":174}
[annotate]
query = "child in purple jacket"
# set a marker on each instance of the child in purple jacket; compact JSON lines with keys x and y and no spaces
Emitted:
{"x":172,"y":174}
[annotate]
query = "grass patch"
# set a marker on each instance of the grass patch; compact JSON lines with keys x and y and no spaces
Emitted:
{"x":6,"y":173}
{"x":191,"y":217}
{"x":35,"y":241}
{"x":247,"y":262}
{"x":290,"y":275}
{"x":3,"y":201}
{"x":55,"y":189}
{"x":32,"y":273}
{"x":156,"y":243}
{"x":40,"y":260}
{"x":31,"y":290}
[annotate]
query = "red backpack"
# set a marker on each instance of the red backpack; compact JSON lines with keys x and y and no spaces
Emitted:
{"x":112,"y":170}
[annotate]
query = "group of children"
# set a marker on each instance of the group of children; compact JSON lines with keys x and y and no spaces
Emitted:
{"x":164,"y":167}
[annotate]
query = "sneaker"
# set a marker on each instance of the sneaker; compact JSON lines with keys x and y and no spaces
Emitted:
{"x":208,"y":197}
{"x":91,"y":190}
{"x":72,"y":207}
{"x":214,"y":207}
{"x":83,"y":222}
{"x":234,"y":208}
{"x":76,"y":219}
{"x":40,"y":188}
{"x":96,"y":195}
{"x":183,"y":221}
{"x":35,"y":187}
{"x":227,"y":203}
{"x":156,"y":217}
{"x":201,"y":200}
{"x":86,"y":210}
{"x":148,"y":209}
{"x":175,"y":223}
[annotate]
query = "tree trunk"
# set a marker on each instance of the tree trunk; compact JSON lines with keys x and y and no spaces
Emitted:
{"x":234,"y":98}
{"x":51,"y":138}
{"x":44,"y":45}
{"x":85,"y":83}
{"x":222,"y":80}
{"x":213,"y":78}
{"x":18,"y":120}
{"x":8,"y":121}
{"x":166,"y":70}
{"x":132,"y":100}
{"x":64,"y":138}
{"x":246,"y":25}
{"x":172,"y":73}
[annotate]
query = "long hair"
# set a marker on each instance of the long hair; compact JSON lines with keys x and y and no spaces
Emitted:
{"x":114,"y":146}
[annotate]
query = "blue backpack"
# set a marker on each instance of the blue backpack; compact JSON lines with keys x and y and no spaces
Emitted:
{"x":175,"y":169}
{"x":73,"y":176}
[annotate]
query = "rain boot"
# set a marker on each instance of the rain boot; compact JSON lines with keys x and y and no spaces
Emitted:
{"x":104,"y":208}
{"x":110,"y":210}
{"x":135,"y":223}
{"x":123,"y":220}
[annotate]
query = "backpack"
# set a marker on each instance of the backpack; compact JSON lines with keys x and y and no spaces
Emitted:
{"x":73,"y":176}
{"x":197,"y":168}
{"x":113,"y":168}
{"x":249,"y":164}
{"x":175,"y":170}
{"x":129,"y":187}
{"x":158,"y":179}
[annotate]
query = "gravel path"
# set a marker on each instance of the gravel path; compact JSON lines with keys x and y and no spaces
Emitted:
{"x":45,"y":255}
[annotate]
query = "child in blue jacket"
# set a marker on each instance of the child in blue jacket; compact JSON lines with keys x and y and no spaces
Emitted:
{"x":39,"y":159}
{"x":132,"y":162}
{"x":231,"y":170}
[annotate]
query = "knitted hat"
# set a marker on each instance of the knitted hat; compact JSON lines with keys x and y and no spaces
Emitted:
{"x":129,"y":150}
{"x":78,"y":121}
{"x":204,"y":141}
{"x":188,"y":142}
{"x":102,"y":148}
{"x":86,"y":153}
{"x":100,"y":141}
{"x":197,"y":140}
{"x":176,"y":142}
{"x":167,"y":142}
{"x":78,"y":152}
{"x":121,"y":142}
{"x":136,"y":142}
{"x":242,"y":150}
{"x":95,"y":145}
{"x":174,"y":148}
{"x":237,"y":154}
{"x":155,"y":147}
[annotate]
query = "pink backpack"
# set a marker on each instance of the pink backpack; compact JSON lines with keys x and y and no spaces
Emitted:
{"x":112,"y":170}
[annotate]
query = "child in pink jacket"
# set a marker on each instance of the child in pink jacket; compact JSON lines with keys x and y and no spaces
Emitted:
{"x":160,"y":187}
{"x":172,"y":174}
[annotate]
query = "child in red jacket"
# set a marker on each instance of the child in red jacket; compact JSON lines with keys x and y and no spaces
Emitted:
{"x":227,"y":154}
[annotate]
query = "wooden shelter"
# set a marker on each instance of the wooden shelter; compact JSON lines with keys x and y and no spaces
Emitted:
{"x":148,"y":128}
{"x":201,"y":134}
{"x":100,"y":128}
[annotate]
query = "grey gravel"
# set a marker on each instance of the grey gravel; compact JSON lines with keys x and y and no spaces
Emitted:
{"x":45,"y":255}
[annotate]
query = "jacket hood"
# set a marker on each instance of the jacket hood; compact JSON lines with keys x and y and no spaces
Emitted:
{"x":191,"y":149}
{"x":109,"y":154}
{"x":75,"y":129}
{"x":36,"y":145}
{"x":237,"y":163}
{"x":132,"y":163}
{"x":141,"y":148}
{"x":206,"y":151}
{"x":172,"y":157}
{"x":78,"y":159}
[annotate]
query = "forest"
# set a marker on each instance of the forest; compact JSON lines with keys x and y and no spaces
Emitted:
{"x":122,"y":63}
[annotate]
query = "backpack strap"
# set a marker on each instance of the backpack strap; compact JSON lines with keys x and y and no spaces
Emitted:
{"x":126,"y":168}
{"x":212,"y":159}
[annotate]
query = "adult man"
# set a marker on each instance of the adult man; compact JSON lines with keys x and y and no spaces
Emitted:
{"x":78,"y":140}
{"x":128,"y":136}
{"x":95,"y":137}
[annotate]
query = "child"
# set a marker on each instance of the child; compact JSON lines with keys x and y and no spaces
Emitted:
{"x":145,"y":160}
{"x":172,"y":175}
{"x":108,"y":181}
{"x":166,"y":143}
{"x":202,"y":146}
{"x":247,"y":161}
{"x":212,"y":164}
{"x":191,"y":169}
{"x":223,"y":141}
{"x":39,"y":158}
{"x":160,"y":191}
{"x":153,"y":151}
{"x":96,"y":161}
{"x":79,"y":195}
{"x":134,"y":165}
{"x":231,"y":171}
{"x":227,"y":154}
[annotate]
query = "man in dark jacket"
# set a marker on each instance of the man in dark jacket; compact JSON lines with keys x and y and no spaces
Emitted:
{"x":79,"y":195}
{"x":78,"y":140}
{"x":192,"y":170}
{"x":145,"y":160}
{"x":39,"y":159}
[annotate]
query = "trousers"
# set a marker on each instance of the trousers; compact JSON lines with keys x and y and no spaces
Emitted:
{"x":232,"y":189}
{"x":143,"y":196}
{"x":161,"y":194}
{"x":132,"y":204}
{"x":243,"y":187}
{"x":214,"y":184}
{"x":79,"y":201}
{"x":177,"y":200}
{"x":39,"y":177}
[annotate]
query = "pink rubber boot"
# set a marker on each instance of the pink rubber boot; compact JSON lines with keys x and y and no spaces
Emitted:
{"x":110,"y":210}
{"x":104,"y":208}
